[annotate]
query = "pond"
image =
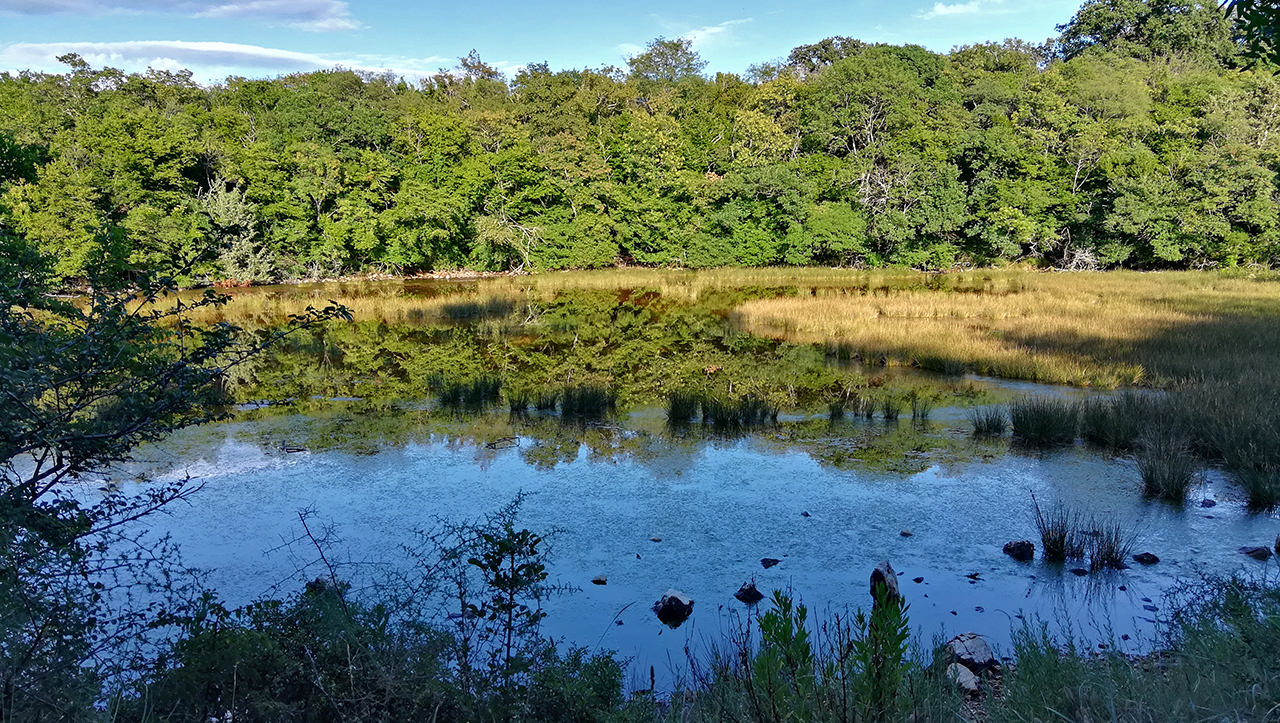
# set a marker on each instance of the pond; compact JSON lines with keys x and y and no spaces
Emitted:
{"x":353,"y":423}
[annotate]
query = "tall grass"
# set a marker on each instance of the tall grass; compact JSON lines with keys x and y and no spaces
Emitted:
{"x":1044,"y":421}
{"x":1060,"y":533}
{"x":723,"y":415}
{"x":586,"y":401}
{"x":1117,"y":421}
{"x":988,"y":421}
{"x":1108,"y":544}
{"x":1166,"y":466}
{"x":682,"y":406}
{"x":474,"y":395}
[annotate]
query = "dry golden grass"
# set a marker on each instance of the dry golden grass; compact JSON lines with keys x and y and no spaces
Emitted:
{"x":1100,"y":329}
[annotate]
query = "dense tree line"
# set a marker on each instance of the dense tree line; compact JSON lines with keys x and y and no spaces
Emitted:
{"x":1142,"y":136}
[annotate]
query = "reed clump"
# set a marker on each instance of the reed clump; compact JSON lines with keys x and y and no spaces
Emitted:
{"x":587,"y":401}
{"x":988,"y":421}
{"x":724,"y":415}
{"x":1061,"y":535}
{"x":921,"y":405}
{"x":683,"y":406}
{"x":474,"y":395}
{"x":1044,"y":421}
{"x":1167,"y":467}
{"x":1116,"y":422}
{"x":1108,"y":544}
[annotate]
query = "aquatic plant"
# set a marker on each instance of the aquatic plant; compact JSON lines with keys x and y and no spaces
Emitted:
{"x":1043,"y":421}
{"x":890,"y":407}
{"x":1166,"y":466}
{"x":835,"y":411}
{"x":988,"y":421}
{"x":1108,"y":544}
{"x":1060,"y":533}
{"x":921,"y":405}
{"x":546,"y":401}
{"x":682,"y":406}
{"x":1116,"y":422}
{"x":586,"y":401}
{"x":473,"y":395}
{"x":735,"y":415}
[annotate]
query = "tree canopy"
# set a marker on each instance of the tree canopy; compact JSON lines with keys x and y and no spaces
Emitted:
{"x":1144,"y":136}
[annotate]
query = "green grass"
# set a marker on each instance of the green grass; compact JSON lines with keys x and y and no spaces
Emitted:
{"x":587,"y":401}
{"x":1060,"y":533}
{"x":1166,"y":466}
{"x":1043,"y":421}
{"x":988,"y":421}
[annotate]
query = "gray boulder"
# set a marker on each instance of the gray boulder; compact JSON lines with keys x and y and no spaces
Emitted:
{"x":1145,"y":558}
{"x":964,"y":679}
{"x":971,"y":651}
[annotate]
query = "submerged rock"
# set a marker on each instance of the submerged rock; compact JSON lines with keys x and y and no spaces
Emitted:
{"x":1145,"y":558}
{"x":884,"y":575}
{"x":599,"y":580}
{"x":1208,"y":503}
{"x":1257,"y":553}
{"x":1021,"y":550}
{"x":749,"y":594}
{"x":1079,"y":571}
{"x":769,"y":562}
{"x":971,"y":651}
{"x":673,"y":608}
{"x":964,"y":679}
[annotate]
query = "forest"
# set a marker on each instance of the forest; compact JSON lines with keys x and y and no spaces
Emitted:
{"x":1143,"y":136}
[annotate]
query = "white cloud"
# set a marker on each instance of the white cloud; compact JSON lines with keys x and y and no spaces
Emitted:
{"x":209,"y":61}
{"x":974,"y":7}
{"x":311,"y":15}
{"x":713,"y":34}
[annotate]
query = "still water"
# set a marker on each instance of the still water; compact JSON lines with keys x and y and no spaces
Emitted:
{"x":718,"y":506}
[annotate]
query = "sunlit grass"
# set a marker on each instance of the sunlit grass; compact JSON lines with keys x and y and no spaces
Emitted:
{"x":1093,"y":329}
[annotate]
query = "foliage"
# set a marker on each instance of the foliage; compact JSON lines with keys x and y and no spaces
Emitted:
{"x":1137,"y":138}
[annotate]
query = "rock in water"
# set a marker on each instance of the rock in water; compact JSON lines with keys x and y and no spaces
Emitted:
{"x":964,"y":679}
{"x":906,"y":533}
{"x":1146,"y":558}
{"x":1208,"y":503}
{"x":599,"y":580}
{"x":1278,"y":544}
{"x":884,"y":575}
{"x":1257,"y":553}
{"x":1021,"y":550}
{"x":673,"y":608}
{"x":971,"y":651}
{"x":769,"y":562}
{"x":749,"y":594}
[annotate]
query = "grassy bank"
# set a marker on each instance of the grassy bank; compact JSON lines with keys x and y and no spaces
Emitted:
{"x":1097,"y":329}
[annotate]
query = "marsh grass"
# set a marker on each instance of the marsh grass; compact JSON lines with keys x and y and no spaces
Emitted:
{"x":474,"y":395}
{"x":1166,"y":466}
{"x":988,"y":421}
{"x":1108,"y":544}
{"x":479,"y":308}
{"x":587,"y":401}
{"x":1061,"y":537}
{"x":1043,"y":421}
{"x":683,"y":406}
{"x":890,"y":408}
{"x":1116,"y":422}
{"x":1223,"y":665}
{"x":835,"y":411}
{"x":723,"y":415}
{"x":921,"y":405}
{"x":546,"y":401}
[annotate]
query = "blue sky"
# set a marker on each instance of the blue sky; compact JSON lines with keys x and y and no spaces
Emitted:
{"x":266,"y":38}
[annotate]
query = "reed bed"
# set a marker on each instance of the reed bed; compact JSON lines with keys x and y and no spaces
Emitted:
{"x":1104,"y":329}
{"x":1061,"y":535}
{"x":988,"y":421}
{"x":1166,"y":466}
{"x":587,"y":401}
{"x":1044,"y":421}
